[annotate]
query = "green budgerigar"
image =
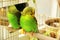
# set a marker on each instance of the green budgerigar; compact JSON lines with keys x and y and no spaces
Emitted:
{"x":12,"y":17}
{"x":27,"y":21}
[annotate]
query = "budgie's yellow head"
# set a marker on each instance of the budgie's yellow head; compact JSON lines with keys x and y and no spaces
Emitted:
{"x":12,"y":9}
{"x":28,"y":10}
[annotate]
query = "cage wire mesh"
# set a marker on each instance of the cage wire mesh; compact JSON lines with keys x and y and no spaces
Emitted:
{"x":4,"y":34}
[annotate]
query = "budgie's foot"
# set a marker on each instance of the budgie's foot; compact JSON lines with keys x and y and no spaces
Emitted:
{"x":22,"y":31}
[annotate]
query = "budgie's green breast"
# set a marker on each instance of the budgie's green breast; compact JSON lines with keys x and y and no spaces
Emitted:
{"x":28,"y":23}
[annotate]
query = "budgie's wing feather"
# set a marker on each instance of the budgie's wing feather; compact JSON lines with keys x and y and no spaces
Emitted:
{"x":35,"y":20}
{"x":35,"y":25}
